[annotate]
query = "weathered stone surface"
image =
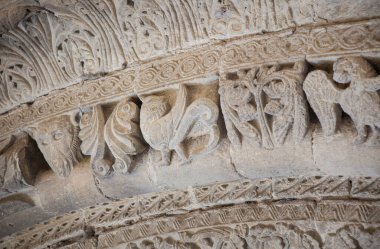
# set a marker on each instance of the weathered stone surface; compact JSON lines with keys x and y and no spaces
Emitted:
{"x":229,"y":124}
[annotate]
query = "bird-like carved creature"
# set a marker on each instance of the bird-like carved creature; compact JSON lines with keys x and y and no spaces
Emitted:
{"x":360,"y":100}
{"x":165,"y":128}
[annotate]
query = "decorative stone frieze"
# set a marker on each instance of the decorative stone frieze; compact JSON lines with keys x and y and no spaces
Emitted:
{"x":189,"y":124}
{"x":176,"y":218}
{"x":48,"y":45}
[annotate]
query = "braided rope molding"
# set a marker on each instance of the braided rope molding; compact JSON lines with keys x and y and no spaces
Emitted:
{"x":308,"y":43}
{"x":323,"y":198}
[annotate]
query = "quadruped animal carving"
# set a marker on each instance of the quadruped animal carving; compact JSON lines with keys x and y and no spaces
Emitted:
{"x":359,"y":100}
{"x":58,"y":140}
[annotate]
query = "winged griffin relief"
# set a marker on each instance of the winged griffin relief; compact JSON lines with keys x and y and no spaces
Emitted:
{"x":360,"y":99}
{"x":166,"y":128}
{"x":264,"y":104}
{"x":121,"y":133}
{"x":57,"y":139}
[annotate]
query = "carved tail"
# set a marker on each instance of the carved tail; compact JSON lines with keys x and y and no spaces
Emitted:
{"x":201,"y":110}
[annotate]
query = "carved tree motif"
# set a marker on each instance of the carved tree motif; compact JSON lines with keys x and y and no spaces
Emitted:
{"x":93,"y":142}
{"x":360,"y":100}
{"x":123,"y":136}
{"x":16,"y":170}
{"x":166,"y":128}
{"x":58,"y":141}
{"x":264,"y":104}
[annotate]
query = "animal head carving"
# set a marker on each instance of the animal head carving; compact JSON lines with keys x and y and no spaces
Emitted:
{"x":58,"y":141}
{"x":348,"y":68}
{"x":153,"y":108}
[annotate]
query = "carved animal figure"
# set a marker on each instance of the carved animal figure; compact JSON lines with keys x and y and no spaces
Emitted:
{"x":58,"y":141}
{"x":165,"y":129}
{"x":359,"y":100}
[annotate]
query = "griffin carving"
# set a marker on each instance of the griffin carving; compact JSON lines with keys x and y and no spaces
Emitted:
{"x":58,"y":141}
{"x":360,"y":100}
{"x":166,"y":128}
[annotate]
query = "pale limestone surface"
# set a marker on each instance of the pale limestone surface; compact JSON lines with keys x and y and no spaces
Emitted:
{"x":202,"y":124}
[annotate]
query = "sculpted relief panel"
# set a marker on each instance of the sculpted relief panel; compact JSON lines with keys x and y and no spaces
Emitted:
{"x":264,"y":104}
{"x":49,"y":45}
{"x":264,"y":108}
{"x":206,"y":93}
{"x":360,"y":100}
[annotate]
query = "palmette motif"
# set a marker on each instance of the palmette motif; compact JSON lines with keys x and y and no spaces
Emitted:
{"x":93,"y":142}
{"x":120,"y":134}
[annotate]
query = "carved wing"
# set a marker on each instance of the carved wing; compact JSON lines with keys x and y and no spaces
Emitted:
{"x":180,"y":106}
{"x":93,"y":144}
{"x":323,"y":97}
{"x":123,"y":136}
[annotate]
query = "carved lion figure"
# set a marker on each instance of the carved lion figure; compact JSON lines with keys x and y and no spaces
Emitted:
{"x":58,"y":141}
{"x":359,"y":100}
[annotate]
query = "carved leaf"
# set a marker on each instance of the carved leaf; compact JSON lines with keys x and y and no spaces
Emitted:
{"x":323,"y":98}
{"x":93,"y":143}
{"x":123,"y":136}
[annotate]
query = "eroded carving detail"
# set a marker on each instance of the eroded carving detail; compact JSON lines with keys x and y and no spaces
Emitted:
{"x":359,"y":100}
{"x":58,"y":141}
{"x":16,"y":170}
{"x":354,"y":236}
{"x":264,"y":104}
{"x":166,"y":128}
{"x":236,"y":236}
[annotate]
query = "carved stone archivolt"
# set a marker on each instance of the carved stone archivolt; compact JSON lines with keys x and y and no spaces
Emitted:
{"x":326,"y":212}
{"x":225,"y":124}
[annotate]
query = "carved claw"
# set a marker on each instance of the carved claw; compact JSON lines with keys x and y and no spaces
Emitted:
{"x":362,"y":135}
{"x":181,"y":152}
{"x":165,"y":158}
{"x":359,"y":139}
